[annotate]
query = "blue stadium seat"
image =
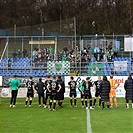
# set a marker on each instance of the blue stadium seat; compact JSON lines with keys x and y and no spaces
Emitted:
{"x":115,"y":59}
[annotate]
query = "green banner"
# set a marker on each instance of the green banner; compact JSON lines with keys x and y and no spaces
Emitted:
{"x":95,"y":69}
{"x":58,"y":67}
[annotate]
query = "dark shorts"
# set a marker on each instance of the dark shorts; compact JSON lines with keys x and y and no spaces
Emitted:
{"x":53,"y":97}
{"x":73,"y":94}
{"x":48,"y":95}
{"x":97,"y":94}
{"x":87,"y":95}
{"x":60,"y":96}
{"x":30,"y":94}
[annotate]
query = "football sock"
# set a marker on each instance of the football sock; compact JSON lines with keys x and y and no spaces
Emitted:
{"x":54,"y":105}
{"x":71,"y":102}
{"x":30,"y":102}
{"x":60,"y":103}
{"x":86,"y":104}
{"x":107,"y":104}
{"x":90,"y":103}
{"x":82,"y":103}
{"x":94,"y":102}
{"x":26,"y":102}
{"x":50,"y":104}
{"x":44,"y":103}
{"x":75,"y":102}
{"x":127,"y":101}
{"x":103,"y":104}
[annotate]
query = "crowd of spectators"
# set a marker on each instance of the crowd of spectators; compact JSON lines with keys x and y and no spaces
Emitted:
{"x":77,"y":57}
{"x":20,"y":54}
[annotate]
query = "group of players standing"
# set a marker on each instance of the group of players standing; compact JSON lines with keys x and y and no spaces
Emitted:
{"x":54,"y":89}
{"x":104,"y":90}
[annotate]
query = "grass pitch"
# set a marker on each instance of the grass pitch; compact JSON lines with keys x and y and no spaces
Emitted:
{"x":65,"y":120}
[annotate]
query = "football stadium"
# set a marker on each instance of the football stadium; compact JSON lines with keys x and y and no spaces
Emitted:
{"x":66,"y":66}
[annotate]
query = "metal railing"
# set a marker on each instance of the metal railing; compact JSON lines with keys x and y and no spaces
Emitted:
{"x":80,"y":68}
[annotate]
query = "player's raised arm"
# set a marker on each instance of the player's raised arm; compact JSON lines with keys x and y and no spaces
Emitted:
{"x":59,"y":86}
{"x":48,"y":87}
{"x":116,"y":85}
{"x":94,"y":86}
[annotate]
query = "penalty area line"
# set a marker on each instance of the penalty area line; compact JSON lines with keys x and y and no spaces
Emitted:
{"x":89,"y":130}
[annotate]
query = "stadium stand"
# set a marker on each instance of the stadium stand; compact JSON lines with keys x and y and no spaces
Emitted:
{"x":22,"y":67}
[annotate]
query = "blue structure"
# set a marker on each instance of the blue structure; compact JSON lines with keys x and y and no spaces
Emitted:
{"x":23,"y":67}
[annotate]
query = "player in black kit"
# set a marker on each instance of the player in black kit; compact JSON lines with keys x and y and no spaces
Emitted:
{"x":53,"y":89}
{"x":87,"y":92}
{"x":97,"y":91}
{"x":72,"y":85}
{"x":60,"y":94}
{"x":40,"y":88}
{"x":30,"y":91}
{"x":47,"y":84}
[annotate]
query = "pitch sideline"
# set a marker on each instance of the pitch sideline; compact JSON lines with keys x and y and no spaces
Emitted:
{"x":89,"y":130}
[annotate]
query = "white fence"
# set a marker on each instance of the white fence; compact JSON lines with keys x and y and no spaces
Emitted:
{"x":120,"y":92}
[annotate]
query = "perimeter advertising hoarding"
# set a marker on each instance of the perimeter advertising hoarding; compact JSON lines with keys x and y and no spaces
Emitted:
{"x":0,"y":81}
{"x":120,"y":92}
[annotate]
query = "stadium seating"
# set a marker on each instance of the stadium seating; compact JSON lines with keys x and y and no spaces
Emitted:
{"x":22,"y":67}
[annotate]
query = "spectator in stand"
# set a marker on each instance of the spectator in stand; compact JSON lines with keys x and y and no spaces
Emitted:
{"x":109,"y":57}
{"x":96,"y":51}
{"x":64,"y":58}
{"x":83,"y":62}
{"x":112,"y":53}
{"x":51,"y":51}
{"x":102,"y":52}
{"x":25,"y":54}
{"x":9,"y":63}
{"x":98,"y":58}
{"x":39,"y":55}
{"x":73,"y":67}
{"x":14,"y":55}
{"x":19,"y":53}
{"x":65,"y":49}
{"x":115,"y":51}
{"x":34,"y":53}
{"x":63,"y":53}
{"x":78,"y":54}
{"x":106,"y":55}
{"x":88,"y":57}
{"x":85,"y":50}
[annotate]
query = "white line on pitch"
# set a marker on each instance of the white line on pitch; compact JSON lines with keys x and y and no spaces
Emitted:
{"x":89,"y":130}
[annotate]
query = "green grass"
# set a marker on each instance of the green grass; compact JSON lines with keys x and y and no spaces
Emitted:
{"x":116,"y":120}
{"x":66,"y":120}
